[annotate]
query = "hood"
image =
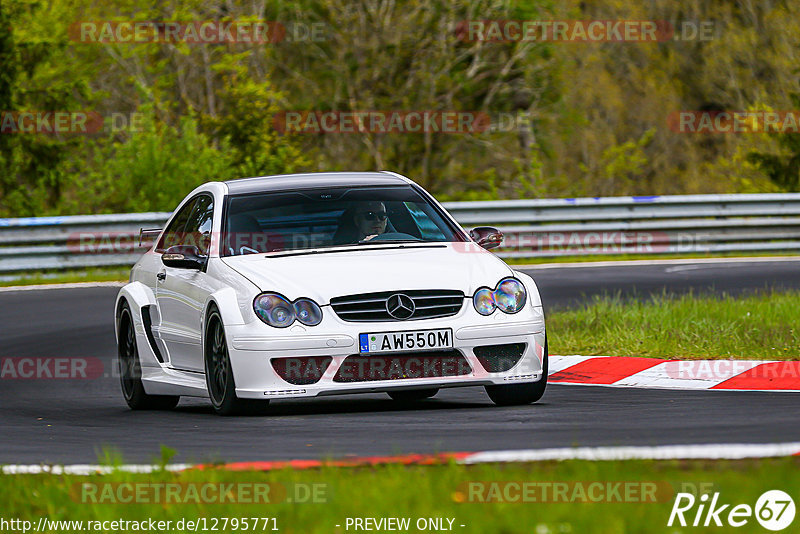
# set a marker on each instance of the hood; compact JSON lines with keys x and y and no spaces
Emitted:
{"x":336,"y":272}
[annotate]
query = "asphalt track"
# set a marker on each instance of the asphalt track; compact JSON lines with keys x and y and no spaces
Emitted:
{"x":74,"y":421}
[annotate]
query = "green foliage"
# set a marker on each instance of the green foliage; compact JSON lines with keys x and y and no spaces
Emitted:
{"x":620,"y":167}
{"x":783,"y":168}
{"x":32,"y":175}
{"x":256,"y":148}
{"x":485,"y":187}
{"x":153,"y":169}
{"x":588,"y":119}
{"x":8,"y":59}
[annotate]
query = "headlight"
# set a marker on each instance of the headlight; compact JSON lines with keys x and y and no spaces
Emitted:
{"x":510,"y":296}
{"x":484,"y":301}
{"x":277,"y":311}
{"x":307,"y":312}
{"x":274,"y":310}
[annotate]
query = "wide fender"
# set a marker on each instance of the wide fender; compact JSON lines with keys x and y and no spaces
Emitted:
{"x":138,"y":296}
{"x":227,"y":302}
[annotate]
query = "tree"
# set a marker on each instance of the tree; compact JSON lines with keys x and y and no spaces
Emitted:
{"x":34,"y":77}
{"x":782,"y":168}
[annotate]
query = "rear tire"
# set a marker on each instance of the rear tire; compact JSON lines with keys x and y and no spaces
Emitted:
{"x":411,"y":395}
{"x":219,"y":374}
{"x":520,"y":394}
{"x":130,"y":369}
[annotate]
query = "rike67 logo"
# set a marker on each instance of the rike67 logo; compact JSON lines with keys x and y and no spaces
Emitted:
{"x":774,"y":510}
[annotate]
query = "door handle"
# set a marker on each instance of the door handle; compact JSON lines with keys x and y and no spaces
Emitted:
{"x":162,"y":276}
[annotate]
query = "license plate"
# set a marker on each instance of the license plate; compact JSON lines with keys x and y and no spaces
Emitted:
{"x":406,"y":341}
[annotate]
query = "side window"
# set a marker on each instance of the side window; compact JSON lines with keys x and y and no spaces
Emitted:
{"x":174,"y":232}
{"x":198,"y":227}
{"x":428,"y":228}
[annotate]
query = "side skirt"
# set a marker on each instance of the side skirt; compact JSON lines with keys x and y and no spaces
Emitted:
{"x":166,"y":381}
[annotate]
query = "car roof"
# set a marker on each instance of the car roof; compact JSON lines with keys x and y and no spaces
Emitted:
{"x":312,"y":180}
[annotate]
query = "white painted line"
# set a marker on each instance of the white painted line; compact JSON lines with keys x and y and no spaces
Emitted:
{"x":634,"y":263}
{"x":559,"y":363}
{"x":724,"y":451}
{"x":684,"y":268}
{"x":73,"y":285}
{"x":711,"y":390}
{"x":730,"y":451}
{"x":88,"y":469}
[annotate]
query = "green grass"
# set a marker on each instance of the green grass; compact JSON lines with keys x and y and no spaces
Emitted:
{"x":756,"y":327}
{"x":119,"y":274}
{"x":419,"y":492}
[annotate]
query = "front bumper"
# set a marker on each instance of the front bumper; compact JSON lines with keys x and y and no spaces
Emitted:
{"x":254,"y":346}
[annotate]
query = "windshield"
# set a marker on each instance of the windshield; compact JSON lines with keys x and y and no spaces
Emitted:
{"x":319,"y":218}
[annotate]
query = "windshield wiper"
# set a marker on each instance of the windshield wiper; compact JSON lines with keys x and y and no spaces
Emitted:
{"x":351,"y":248}
{"x":392,"y":241}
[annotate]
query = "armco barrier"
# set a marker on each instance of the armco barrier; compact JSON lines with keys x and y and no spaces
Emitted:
{"x":533,"y":228}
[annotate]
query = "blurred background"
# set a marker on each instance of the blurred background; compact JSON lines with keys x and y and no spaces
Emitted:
{"x":569,"y":118}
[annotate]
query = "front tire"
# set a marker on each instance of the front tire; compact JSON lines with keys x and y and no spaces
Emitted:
{"x":411,"y":395}
{"x":130,"y":369}
{"x":219,"y":374}
{"x":520,"y":394}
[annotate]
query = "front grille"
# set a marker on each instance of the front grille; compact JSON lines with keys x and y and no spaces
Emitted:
{"x":371,"y":307}
{"x":499,"y":358}
{"x":427,"y":364}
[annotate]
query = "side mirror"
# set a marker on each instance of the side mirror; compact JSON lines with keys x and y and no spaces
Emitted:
{"x":486,"y":236}
{"x":183,"y":257}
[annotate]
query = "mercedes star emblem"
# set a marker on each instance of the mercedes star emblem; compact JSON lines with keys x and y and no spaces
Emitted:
{"x":400,"y":306}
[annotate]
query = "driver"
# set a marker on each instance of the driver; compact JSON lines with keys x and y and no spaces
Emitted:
{"x":361,"y":222}
{"x":370,"y":220}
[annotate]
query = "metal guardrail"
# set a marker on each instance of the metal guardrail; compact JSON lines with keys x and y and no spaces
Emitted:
{"x":640,"y":225}
{"x":533,"y":228}
{"x":44,"y":243}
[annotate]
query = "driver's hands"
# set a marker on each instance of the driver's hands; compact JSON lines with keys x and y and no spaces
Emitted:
{"x":369,"y":237}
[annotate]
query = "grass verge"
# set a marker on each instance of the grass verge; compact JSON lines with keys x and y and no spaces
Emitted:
{"x":67,"y":277}
{"x":757,"y":327}
{"x":322,"y":500}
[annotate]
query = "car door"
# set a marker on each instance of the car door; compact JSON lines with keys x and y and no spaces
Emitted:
{"x":181,"y":293}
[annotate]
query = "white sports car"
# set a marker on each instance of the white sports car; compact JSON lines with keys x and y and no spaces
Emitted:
{"x":324,"y":284}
